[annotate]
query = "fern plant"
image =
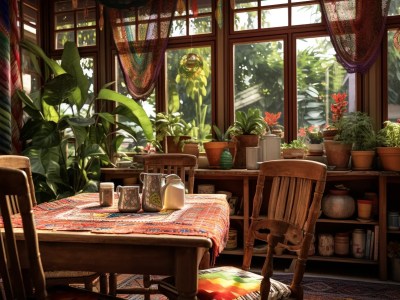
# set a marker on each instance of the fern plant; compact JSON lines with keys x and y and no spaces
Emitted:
{"x":389,"y":136}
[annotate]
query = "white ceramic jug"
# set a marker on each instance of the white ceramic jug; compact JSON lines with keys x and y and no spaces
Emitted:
{"x":173,"y":192}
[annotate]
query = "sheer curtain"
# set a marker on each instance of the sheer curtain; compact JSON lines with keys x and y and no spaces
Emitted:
{"x":356,"y":28}
{"x":141,"y":37}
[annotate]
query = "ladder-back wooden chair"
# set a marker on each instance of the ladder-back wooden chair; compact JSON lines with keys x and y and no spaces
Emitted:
{"x":26,"y":281}
{"x":88,"y":279}
{"x":288,"y":221}
{"x":180,"y":164}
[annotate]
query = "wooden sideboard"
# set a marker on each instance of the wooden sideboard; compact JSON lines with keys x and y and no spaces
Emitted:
{"x":241,"y":183}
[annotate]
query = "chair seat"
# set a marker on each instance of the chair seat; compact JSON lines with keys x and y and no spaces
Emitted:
{"x":228,"y":283}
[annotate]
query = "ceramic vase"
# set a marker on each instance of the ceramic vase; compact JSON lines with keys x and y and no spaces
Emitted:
{"x":338,"y":204}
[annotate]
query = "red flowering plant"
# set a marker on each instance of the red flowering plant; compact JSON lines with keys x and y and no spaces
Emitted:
{"x":339,"y":106}
{"x":272,"y":120}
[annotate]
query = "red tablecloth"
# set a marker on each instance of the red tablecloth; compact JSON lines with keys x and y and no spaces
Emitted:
{"x":205,"y":215}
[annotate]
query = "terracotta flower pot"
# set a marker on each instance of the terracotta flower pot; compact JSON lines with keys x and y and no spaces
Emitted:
{"x":390,"y":158}
{"x":214,"y":151}
{"x":362,"y":160}
{"x":337,"y":154}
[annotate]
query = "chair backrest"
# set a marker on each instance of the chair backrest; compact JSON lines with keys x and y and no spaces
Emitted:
{"x":21,"y":163}
{"x":176,"y":163}
{"x":293,"y":208}
{"x":14,"y":184}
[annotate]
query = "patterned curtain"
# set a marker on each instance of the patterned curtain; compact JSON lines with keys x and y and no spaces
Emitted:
{"x":141,"y":48}
{"x":356,"y":29}
{"x":10,"y":105}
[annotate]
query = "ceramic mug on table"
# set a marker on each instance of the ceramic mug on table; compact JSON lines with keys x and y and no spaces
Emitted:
{"x":106,"y":193}
{"x":151,"y":193}
{"x":128,"y":198}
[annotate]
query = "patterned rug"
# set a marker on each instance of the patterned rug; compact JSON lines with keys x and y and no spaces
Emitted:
{"x":315,"y":288}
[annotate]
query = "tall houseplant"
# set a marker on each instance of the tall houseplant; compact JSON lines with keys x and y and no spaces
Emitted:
{"x":247,"y":129}
{"x":389,"y":150}
{"x":65,"y":140}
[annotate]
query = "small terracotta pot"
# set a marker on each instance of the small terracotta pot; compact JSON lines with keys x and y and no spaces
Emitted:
{"x":362,"y":160}
{"x":390,"y":158}
{"x":364,"y":209}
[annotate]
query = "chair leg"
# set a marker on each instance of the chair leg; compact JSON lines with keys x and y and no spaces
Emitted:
{"x":103,"y":284}
{"x":146,"y":284}
{"x":112,"y":284}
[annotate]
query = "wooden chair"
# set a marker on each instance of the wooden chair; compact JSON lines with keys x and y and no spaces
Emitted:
{"x":52,"y":277}
{"x":28,"y":281}
{"x":169,"y":163}
{"x":288,"y":222}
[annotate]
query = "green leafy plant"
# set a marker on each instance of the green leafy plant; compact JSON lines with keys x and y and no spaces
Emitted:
{"x":221,"y":136}
{"x":295,"y":144}
{"x":389,"y":135}
{"x":65,"y":140}
{"x":171,"y":124}
{"x":250,"y":122}
{"x":357,"y":128}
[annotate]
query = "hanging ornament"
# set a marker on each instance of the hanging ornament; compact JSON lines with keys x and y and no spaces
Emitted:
{"x":218,"y":13}
{"x":180,"y":7}
{"x":74,"y":4}
{"x":195,"y":8}
{"x":191,"y":64}
{"x":101,"y":18}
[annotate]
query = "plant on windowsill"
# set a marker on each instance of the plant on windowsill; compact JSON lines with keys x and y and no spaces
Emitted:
{"x":357,"y":129}
{"x":314,"y":138}
{"x":337,"y":152}
{"x":222,"y":140}
{"x":272,"y":121}
{"x":66,"y":142}
{"x":295,"y":149}
{"x":246,"y":130}
{"x":389,"y":142}
{"x":173,"y":130}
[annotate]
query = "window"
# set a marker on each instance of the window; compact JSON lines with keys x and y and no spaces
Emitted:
{"x":75,"y":24}
{"x":287,"y":66}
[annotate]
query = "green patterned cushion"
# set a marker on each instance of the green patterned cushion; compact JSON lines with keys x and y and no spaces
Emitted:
{"x":233,"y":283}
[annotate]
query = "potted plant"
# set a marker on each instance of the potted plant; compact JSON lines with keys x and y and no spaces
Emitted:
{"x":66,"y":142}
{"x":173,"y":130}
{"x":314,"y":139}
{"x":337,"y":152}
{"x":295,"y":149}
{"x":272,"y":121}
{"x":389,"y":150}
{"x":246,"y":130}
{"x":215,"y":147}
{"x":357,"y":129}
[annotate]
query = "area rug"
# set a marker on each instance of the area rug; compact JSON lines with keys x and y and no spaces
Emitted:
{"x":315,"y":288}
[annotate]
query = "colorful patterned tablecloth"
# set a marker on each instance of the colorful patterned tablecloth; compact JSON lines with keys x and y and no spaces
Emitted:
{"x":205,"y":215}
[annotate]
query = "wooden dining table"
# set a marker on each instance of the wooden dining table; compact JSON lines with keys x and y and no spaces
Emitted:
{"x":77,"y":234}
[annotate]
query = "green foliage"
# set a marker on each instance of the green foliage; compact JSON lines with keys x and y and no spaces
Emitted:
{"x":66,"y":142}
{"x":389,"y":135}
{"x":295,"y":144}
{"x":171,"y":124}
{"x":251,"y":122}
{"x":357,"y":128}
{"x":221,"y":136}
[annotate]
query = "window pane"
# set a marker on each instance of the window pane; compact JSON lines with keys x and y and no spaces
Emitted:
{"x":60,"y":6}
{"x":319,"y":76}
{"x":393,"y":75}
{"x":137,"y":141}
{"x":84,"y":19}
{"x":394,"y":8}
{"x":62,"y":37}
{"x":246,"y":20}
{"x":245,"y":3}
{"x":189,"y":87}
{"x":65,"y":21}
{"x":309,"y":14}
{"x":274,"y":18}
{"x":86,"y":37}
{"x":178,"y":28}
{"x":200,"y":25}
{"x":258,"y":77}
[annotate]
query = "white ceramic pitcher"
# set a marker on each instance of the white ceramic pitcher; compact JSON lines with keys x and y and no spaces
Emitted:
{"x":173,"y":192}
